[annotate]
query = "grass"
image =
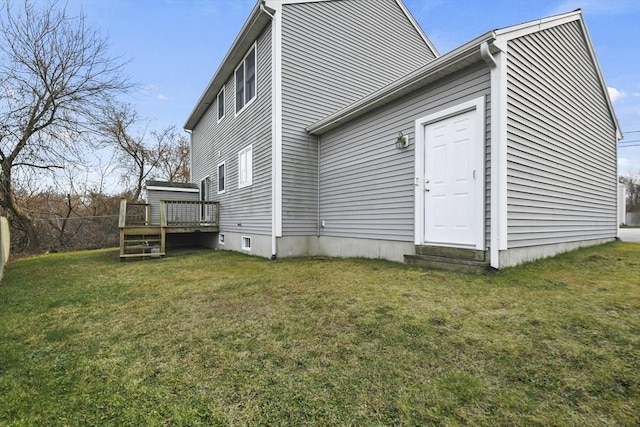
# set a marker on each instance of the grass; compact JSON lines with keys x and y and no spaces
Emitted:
{"x":221,"y":338}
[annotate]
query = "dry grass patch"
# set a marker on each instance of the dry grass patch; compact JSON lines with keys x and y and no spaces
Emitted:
{"x":225,"y":339}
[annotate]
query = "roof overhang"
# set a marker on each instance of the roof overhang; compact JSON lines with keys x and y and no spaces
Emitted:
{"x":255,"y":23}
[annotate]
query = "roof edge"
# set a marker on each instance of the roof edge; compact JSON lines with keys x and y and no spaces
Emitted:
{"x":603,"y":83}
{"x":214,"y":85}
{"x":529,"y":27}
{"x":418,"y":28}
{"x":515,"y":31}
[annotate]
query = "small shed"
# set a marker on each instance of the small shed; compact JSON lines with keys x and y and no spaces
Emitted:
{"x":170,"y":191}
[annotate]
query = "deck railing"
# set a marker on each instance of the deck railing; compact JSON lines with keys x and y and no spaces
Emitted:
{"x":173,"y":213}
{"x":134,"y":214}
{"x":188,"y":213}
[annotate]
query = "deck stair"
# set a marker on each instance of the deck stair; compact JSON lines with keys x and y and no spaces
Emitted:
{"x":140,"y":242}
{"x":447,"y":258}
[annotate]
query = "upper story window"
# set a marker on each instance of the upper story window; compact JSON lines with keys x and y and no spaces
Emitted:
{"x":221,"y":104}
{"x":246,"y":80}
{"x":245,"y":167}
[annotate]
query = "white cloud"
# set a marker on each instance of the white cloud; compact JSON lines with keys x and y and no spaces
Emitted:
{"x":615,"y":94}
{"x":597,"y":7}
{"x":161,"y":97}
{"x":146,"y":89}
{"x":623,"y":162}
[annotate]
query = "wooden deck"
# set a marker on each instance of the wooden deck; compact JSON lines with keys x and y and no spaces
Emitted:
{"x":141,"y":238}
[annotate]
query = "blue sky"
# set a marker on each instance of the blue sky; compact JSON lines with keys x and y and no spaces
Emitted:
{"x":175,"y":46}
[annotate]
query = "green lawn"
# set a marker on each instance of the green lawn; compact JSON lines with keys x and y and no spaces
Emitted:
{"x":221,"y":338}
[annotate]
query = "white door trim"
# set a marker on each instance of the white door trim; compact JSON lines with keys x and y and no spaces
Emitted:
{"x":478,"y":105}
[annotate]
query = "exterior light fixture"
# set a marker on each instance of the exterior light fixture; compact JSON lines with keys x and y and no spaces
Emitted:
{"x":402,"y":141}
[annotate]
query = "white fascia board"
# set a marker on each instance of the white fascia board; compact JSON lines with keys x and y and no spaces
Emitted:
{"x":520,"y":30}
{"x":174,"y":189}
{"x":418,"y":28}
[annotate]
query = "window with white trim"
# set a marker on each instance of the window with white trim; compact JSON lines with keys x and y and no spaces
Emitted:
{"x":246,"y":243}
{"x":205,"y":196}
{"x":245,"y":167}
{"x":221,"y":178}
{"x":221,"y":104}
{"x":245,"y":77}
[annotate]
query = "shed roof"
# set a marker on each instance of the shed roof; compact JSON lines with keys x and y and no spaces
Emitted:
{"x":168,"y":185}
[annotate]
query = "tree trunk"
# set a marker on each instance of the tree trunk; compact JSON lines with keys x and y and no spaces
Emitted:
{"x":18,"y":213}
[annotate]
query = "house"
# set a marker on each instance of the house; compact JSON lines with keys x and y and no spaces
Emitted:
{"x":334,"y":127}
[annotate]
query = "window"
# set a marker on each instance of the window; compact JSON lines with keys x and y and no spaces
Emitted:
{"x":205,"y":195}
{"x":245,"y":167}
{"x":246,"y":80}
{"x":221,"y":172}
{"x":221,"y":104}
{"x":221,"y":239}
{"x":246,"y":243}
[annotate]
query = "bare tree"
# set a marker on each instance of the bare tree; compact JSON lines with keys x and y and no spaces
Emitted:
{"x":632,"y":183}
{"x":143,"y":154}
{"x":173,"y":162}
{"x":55,"y":72}
{"x":122,"y":128}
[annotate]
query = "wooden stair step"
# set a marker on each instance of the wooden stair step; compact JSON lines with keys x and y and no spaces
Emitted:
{"x":142,"y":240}
{"x":143,"y":255}
{"x":141,"y":247}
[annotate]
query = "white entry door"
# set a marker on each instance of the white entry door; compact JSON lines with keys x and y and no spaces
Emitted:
{"x":450,"y":210}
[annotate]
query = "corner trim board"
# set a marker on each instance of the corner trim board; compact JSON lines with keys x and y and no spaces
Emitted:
{"x":498,"y":227}
{"x":276,"y":126}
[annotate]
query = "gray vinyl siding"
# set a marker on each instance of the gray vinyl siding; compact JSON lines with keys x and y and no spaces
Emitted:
{"x":248,"y":209}
{"x":154,"y":197}
{"x":561,"y":153}
{"x":367,"y":184}
{"x":333,"y":53}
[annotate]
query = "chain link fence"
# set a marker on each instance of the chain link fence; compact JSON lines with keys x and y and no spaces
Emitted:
{"x":71,"y":234}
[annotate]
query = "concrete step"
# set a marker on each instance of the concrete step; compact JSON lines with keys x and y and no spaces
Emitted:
{"x":447,"y":263}
{"x":454,"y":253}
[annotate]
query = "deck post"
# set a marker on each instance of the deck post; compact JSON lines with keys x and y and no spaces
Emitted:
{"x":163,"y":226}
{"x":122,"y":220}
